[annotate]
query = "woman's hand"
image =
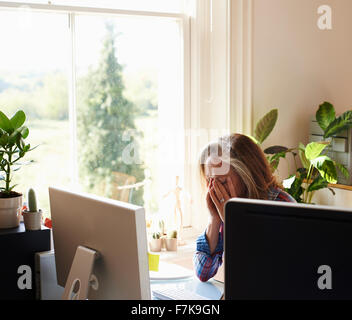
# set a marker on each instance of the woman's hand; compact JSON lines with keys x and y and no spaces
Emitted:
{"x":214,"y":214}
{"x":219,"y":194}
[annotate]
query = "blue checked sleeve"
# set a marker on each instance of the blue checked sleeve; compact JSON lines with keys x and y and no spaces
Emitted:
{"x":205,"y":264}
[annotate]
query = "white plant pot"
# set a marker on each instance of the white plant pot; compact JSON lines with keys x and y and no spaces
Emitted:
{"x":155,"y":245}
{"x":32,"y":220}
{"x":10,"y":212}
{"x":171,"y":244}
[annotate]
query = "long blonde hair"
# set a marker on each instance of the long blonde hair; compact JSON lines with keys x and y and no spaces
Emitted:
{"x":246,"y":159}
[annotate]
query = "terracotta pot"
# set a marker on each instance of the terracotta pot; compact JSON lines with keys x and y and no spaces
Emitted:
{"x":155,"y":245}
{"x":171,"y":244}
{"x":10,"y":212}
{"x":32,"y":220}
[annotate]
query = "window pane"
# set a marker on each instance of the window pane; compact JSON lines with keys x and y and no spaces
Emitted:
{"x":129,"y":107}
{"x":33,"y":77}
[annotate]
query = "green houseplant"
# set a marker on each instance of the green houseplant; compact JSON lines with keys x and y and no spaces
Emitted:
{"x":12,"y":149}
{"x":318,"y":170}
{"x":32,"y":217}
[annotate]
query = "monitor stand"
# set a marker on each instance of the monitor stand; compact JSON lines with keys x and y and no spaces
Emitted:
{"x":81,"y":275}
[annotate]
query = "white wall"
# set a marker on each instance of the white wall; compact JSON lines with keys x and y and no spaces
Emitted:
{"x":296,"y":66}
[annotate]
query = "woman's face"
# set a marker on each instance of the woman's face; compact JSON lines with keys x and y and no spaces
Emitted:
{"x":212,"y":172}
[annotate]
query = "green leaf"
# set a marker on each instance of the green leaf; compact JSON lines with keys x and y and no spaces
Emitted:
{"x":20,"y":143}
{"x":18,"y":119}
{"x":24,"y":132}
{"x":302,"y":156}
{"x":13,"y":137}
{"x":318,"y":183}
{"x":342,"y":169}
{"x":341,"y":123}
{"x":325,"y":115}
{"x":314,"y":149}
{"x":4,"y":139}
{"x":275,"y":149}
{"x":12,"y":187}
{"x":26,"y":148}
{"x":5,"y":123}
{"x":265,"y":126}
{"x":326,"y":168}
{"x":277,"y":156}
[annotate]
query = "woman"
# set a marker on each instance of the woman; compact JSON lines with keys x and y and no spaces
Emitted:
{"x":233,"y":167}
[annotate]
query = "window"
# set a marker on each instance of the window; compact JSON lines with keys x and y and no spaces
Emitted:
{"x":103,"y":94}
{"x":34,"y":77}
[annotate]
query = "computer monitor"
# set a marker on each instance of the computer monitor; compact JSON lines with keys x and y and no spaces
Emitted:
{"x":102,"y":239}
{"x":278,"y":250}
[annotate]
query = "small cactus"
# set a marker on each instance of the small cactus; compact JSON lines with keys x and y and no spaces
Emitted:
{"x":172,"y":234}
{"x":156,"y":235}
{"x":32,"y":201}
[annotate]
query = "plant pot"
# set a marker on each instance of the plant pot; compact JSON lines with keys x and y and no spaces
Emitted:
{"x":163,"y":245}
{"x":32,"y":220}
{"x":10,"y":211}
{"x":171,"y":244}
{"x":155,"y":245}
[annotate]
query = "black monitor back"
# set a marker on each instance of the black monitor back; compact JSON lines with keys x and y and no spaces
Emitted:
{"x":273,"y":250}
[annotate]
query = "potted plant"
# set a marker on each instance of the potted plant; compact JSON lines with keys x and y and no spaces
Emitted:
{"x":32,"y":217}
{"x":12,"y":149}
{"x":155,"y":242}
{"x":171,"y":241}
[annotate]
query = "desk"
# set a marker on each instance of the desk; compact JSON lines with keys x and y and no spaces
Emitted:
{"x":211,"y":289}
{"x":51,"y":291}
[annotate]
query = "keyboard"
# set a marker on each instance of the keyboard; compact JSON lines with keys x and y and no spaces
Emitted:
{"x":177,"y":294}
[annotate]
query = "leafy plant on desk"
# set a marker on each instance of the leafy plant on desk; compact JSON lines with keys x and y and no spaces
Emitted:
{"x":317,"y":173}
{"x":12,"y":149}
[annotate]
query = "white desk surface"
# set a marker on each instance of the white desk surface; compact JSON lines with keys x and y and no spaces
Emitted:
{"x":211,"y":289}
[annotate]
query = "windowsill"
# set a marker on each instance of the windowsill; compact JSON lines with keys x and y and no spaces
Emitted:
{"x":184,"y":254}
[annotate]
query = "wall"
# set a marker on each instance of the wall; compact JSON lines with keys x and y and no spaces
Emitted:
{"x":296,"y":66}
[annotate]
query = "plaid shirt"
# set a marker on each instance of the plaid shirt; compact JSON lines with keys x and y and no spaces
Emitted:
{"x":205,"y":264}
